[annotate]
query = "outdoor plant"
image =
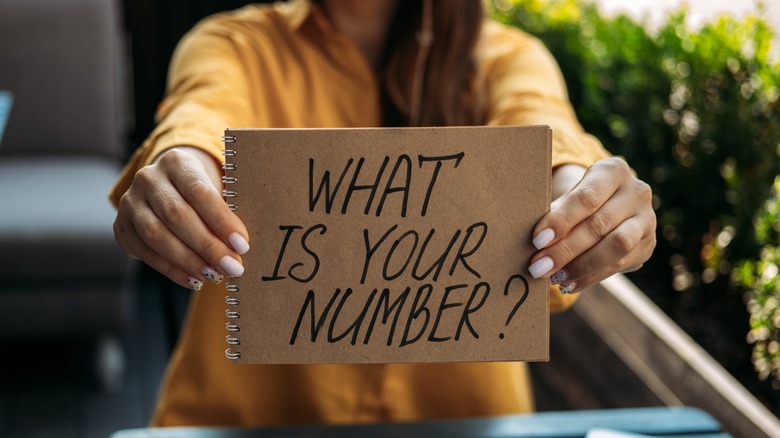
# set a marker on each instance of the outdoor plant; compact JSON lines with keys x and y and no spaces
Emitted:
{"x":696,"y":113}
{"x":763,"y":298}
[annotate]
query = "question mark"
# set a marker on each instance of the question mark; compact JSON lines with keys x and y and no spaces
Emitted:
{"x":519,"y":302}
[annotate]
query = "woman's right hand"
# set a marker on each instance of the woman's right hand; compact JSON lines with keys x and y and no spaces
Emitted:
{"x":173,"y":218}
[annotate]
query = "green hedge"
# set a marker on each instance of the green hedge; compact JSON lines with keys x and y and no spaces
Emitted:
{"x":763,"y":298}
{"x":696,"y":114}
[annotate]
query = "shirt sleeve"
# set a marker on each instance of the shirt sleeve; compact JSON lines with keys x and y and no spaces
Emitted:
{"x":207,"y":92}
{"x":525,"y":87}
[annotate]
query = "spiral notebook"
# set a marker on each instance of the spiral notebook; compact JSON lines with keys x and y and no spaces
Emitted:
{"x":382,"y":245}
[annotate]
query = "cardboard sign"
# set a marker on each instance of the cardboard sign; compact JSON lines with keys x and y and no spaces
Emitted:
{"x":388,"y":244}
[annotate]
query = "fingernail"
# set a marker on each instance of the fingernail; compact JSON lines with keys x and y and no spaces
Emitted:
{"x":212,"y":275}
{"x":238,"y":243}
{"x":568,"y":287}
{"x":544,"y":238}
{"x":559,"y":277}
{"x":231,"y":266}
{"x":541,"y":267}
{"x":194,"y":283}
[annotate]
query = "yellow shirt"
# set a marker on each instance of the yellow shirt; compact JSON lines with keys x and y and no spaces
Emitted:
{"x":285,"y":66}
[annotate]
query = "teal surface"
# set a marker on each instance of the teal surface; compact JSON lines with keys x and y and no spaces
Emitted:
{"x":656,"y":422}
{"x":6,"y":101}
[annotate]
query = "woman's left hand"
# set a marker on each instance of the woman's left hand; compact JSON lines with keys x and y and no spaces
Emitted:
{"x":604,"y":225}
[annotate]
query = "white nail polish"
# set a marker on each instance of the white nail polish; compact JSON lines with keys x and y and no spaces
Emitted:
{"x":541,"y":267}
{"x":231,"y":266}
{"x":567,"y":288}
{"x":212,"y":275}
{"x":194,"y":283}
{"x":559,"y":277}
{"x":238,"y":243}
{"x":544,"y":238}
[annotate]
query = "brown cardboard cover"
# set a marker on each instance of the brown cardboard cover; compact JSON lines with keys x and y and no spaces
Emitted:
{"x":446,"y":215}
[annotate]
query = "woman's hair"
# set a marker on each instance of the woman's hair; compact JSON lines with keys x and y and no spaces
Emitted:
{"x":428,"y":75}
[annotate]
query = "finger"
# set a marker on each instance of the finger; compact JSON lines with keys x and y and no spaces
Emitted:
{"x":584,"y":236}
{"x":643,"y":252}
{"x":152,"y":232}
{"x":632,"y":269}
{"x":187,"y":226}
{"x":619,"y":248}
{"x":192,"y":182}
{"x":134,"y":247}
{"x":597,"y":186}
{"x":123,"y":233}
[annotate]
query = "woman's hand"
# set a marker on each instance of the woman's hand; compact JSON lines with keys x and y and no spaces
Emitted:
{"x":604,"y":225}
{"x":173,"y":218}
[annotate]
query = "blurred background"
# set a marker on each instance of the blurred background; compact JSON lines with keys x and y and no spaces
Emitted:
{"x":688,"y":92}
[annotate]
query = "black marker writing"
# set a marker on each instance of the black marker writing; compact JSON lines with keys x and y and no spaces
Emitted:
{"x":396,"y":255}
{"x":418,"y":312}
{"x":291,"y":272}
{"x":364,"y":179}
{"x":421,"y":159}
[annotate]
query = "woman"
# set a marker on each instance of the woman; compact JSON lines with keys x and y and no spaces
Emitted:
{"x":348,"y":63}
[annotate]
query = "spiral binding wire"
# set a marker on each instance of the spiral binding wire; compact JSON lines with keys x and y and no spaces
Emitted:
{"x":231,"y":313}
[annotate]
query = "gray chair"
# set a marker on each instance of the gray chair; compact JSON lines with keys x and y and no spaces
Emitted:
{"x":63,"y":276}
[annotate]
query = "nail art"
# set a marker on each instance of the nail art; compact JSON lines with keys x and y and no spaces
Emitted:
{"x":231,"y":266}
{"x":568,"y":288}
{"x":541,"y":267}
{"x":544,"y":238}
{"x":212,"y":275}
{"x":194,"y":283}
{"x":559,"y":277}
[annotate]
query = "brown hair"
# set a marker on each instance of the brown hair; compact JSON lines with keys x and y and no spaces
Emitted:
{"x":432,"y":84}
